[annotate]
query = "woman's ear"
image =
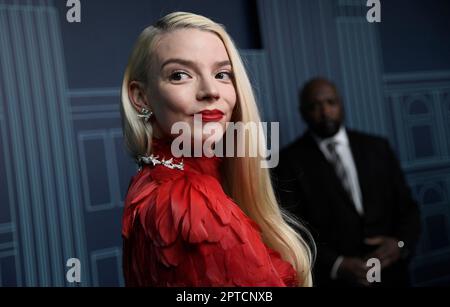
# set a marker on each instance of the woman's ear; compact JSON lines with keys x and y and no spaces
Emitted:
{"x":138,"y":96}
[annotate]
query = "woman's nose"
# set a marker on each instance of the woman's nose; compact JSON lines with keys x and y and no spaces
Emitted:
{"x":208,"y":91}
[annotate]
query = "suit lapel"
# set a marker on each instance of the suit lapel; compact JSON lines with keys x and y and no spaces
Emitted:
{"x":325,"y":168}
{"x":361,"y":165}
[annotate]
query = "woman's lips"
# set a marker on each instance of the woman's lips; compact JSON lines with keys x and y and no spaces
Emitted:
{"x":211,"y":115}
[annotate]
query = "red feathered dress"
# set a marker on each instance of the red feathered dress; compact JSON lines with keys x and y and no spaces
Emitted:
{"x":181,"y":229}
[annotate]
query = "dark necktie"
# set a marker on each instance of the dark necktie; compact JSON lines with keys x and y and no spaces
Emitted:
{"x":340,"y":169}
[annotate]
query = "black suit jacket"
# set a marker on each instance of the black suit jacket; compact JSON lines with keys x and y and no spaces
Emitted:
{"x":307,"y":185}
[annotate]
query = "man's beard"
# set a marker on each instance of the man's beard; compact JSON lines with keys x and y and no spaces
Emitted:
{"x":326,"y":128}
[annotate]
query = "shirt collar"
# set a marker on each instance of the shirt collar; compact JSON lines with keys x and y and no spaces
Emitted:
{"x":340,"y":138}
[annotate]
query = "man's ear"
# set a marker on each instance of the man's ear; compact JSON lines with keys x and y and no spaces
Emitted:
{"x":138,"y":95}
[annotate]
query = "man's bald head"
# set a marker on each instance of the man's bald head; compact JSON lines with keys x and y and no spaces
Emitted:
{"x":321,"y":107}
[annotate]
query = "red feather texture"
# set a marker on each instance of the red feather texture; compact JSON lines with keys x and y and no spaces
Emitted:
{"x":181,"y":229}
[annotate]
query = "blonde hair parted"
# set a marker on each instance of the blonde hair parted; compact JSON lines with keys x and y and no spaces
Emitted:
{"x":244,"y":180}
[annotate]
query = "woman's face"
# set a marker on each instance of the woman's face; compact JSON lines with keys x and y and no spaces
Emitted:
{"x":191,"y":74}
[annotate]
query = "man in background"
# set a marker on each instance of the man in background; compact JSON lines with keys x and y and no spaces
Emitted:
{"x":350,"y":191}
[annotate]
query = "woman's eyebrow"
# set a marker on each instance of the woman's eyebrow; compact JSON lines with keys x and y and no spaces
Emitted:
{"x":222,"y":63}
{"x":191,"y":63}
{"x":178,"y":61}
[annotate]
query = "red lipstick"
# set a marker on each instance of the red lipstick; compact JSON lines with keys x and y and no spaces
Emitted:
{"x":211,"y":115}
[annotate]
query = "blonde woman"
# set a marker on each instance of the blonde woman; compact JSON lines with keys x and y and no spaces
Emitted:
{"x":198,"y":221}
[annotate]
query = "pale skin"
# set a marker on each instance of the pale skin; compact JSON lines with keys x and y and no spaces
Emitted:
{"x":191,"y":72}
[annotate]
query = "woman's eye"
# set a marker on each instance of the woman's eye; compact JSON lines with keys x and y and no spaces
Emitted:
{"x":224,"y":75}
{"x":178,"y":76}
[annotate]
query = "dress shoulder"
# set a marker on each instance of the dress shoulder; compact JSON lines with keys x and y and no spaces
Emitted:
{"x":197,"y":234}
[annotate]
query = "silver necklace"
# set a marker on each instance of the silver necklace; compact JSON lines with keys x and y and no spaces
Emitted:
{"x":154,"y":160}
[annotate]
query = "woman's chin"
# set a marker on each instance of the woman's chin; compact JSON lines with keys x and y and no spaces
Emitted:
{"x":209,"y":138}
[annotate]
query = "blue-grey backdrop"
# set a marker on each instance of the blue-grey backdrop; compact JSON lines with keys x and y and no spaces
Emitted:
{"x":63,"y":167}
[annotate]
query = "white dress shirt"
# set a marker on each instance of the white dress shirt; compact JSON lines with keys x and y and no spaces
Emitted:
{"x":344,"y":151}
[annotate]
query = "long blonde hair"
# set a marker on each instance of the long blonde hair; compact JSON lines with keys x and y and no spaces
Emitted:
{"x":251,"y":187}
